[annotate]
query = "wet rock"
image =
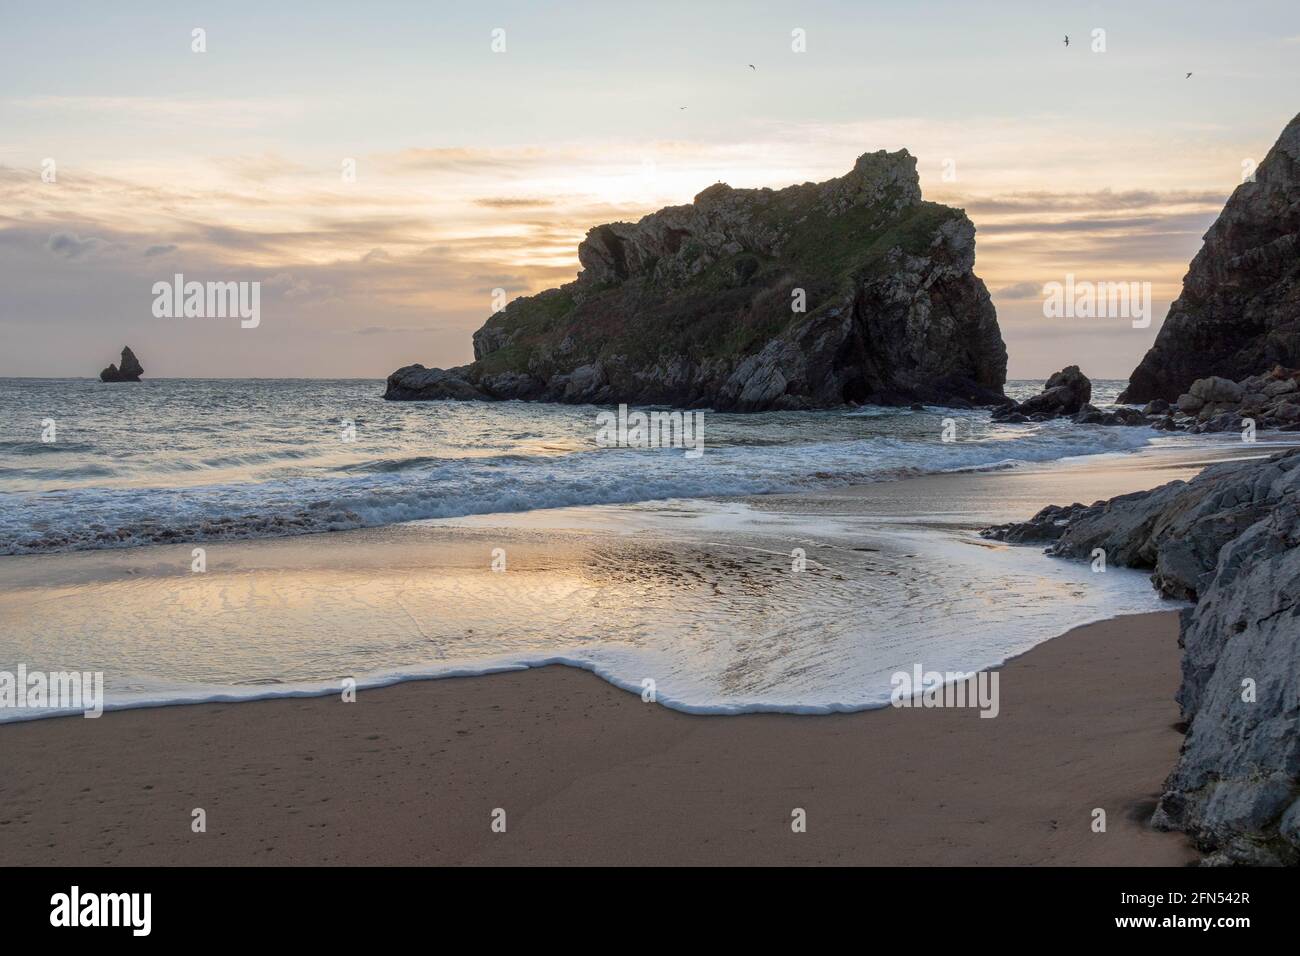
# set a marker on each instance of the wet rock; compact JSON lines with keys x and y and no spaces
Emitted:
{"x":1230,"y":541}
{"x":1066,"y":393}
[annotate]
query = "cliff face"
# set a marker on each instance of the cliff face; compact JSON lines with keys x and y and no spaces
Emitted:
{"x":1239,"y":312}
{"x":1230,"y":541}
{"x":851,"y":290}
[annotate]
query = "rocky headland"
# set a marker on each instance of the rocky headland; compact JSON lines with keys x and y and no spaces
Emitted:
{"x":854,"y":290}
{"x":129,"y":370}
{"x":1228,"y":540}
{"x":1239,"y":311}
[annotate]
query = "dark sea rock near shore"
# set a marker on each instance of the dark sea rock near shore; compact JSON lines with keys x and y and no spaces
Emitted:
{"x":1229,"y":540}
{"x":129,"y":371}
{"x":1239,"y":311}
{"x":1064,"y":394}
{"x":696,"y":306}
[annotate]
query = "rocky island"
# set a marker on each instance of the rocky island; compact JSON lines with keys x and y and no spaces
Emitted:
{"x":854,"y":290}
{"x":129,"y":371}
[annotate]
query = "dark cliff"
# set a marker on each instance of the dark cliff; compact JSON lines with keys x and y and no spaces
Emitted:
{"x":1239,"y":311}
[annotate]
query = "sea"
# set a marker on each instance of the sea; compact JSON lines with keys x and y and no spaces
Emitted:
{"x":346,"y":538}
{"x":84,"y":465}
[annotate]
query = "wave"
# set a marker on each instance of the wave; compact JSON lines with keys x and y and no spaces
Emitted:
{"x":392,"y":491}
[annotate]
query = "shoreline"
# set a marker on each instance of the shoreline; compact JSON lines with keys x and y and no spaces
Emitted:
{"x":557,"y":547}
{"x":411,"y":772}
{"x":587,"y":774}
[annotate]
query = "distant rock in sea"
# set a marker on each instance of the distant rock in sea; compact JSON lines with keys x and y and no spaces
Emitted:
{"x":853,"y":290}
{"x":1229,"y":540}
{"x":129,"y":371}
{"x":1239,"y":312}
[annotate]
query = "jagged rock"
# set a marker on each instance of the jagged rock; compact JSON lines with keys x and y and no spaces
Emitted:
{"x":1239,"y":310}
{"x":697,"y":306}
{"x":1157,"y":406}
{"x":1066,"y":393}
{"x":1230,"y":540}
{"x":129,"y":371}
{"x":414,"y":381}
{"x":1046,"y":526}
{"x":1216,"y":404}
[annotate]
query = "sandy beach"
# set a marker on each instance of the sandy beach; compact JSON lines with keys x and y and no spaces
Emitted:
{"x":584,"y":770}
{"x":588,"y":774}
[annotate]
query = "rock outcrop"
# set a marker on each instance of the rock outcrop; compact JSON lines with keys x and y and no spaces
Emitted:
{"x":129,"y":371}
{"x":1064,"y":394}
{"x":854,"y":290}
{"x":1230,"y":541}
{"x":1216,"y":404}
{"x":1068,"y":394}
{"x":1239,"y":311}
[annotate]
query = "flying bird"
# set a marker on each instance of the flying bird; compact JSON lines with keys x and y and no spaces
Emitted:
{"x":1067,"y":39}
{"x":753,"y":67}
{"x":1188,"y":76}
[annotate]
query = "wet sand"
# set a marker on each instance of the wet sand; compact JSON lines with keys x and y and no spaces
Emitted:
{"x":588,"y":774}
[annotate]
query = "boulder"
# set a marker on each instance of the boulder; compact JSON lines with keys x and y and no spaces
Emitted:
{"x":1217,"y":391}
{"x":1066,"y":393}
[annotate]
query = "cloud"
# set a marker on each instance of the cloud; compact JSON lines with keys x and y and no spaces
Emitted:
{"x":1104,"y":200}
{"x":1020,"y":290}
{"x":511,"y":203}
{"x":292,"y":287}
{"x":69,"y":246}
{"x":160,"y":250}
{"x":394,"y":330}
{"x":208,"y":112}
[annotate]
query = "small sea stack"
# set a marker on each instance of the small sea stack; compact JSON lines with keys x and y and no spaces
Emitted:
{"x":129,"y":371}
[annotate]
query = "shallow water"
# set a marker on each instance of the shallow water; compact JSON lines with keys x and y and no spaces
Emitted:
{"x":699,"y":597}
{"x":656,"y":570}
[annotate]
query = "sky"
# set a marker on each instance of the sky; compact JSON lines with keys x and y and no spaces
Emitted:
{"x":127,"y":157}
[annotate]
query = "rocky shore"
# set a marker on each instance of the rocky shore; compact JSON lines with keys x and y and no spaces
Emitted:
{"x":1214,"y":404}
{"x":1228,"y":540}
{"x":850,"y":291}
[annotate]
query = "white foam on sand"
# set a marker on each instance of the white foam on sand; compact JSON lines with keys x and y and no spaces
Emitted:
{"x":701,"y":601}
